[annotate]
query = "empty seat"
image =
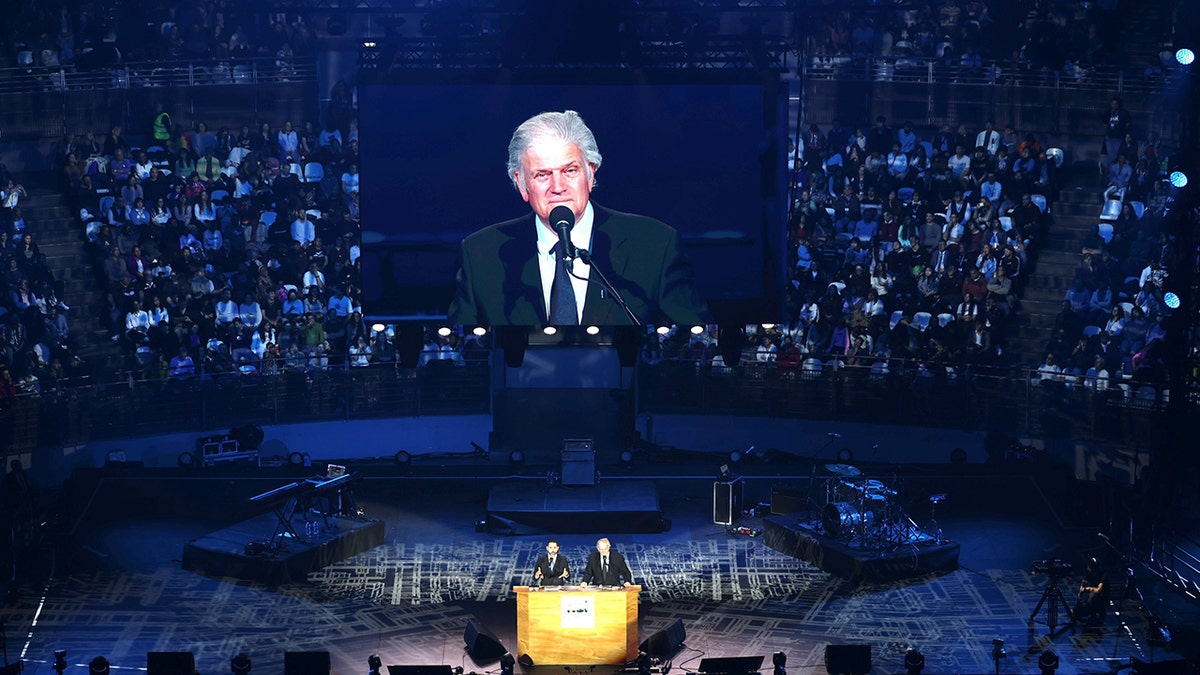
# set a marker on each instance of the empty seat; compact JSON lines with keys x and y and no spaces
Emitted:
{"x":921,"y":320}
{"x":1139,"y":209}
{"x":1039,"y":201}
{"x":1112,"y":209}
{"x":896,"y":317}
{"x":1056,"y":155}
{"x":945,"y":319}
{"x":314,"y":172}
{"x":267,"y":218}
{"x":1006,"y":223}
{"x":1105,"y":230}
{"x":1092,"y":331}
{"x":905,"y":194}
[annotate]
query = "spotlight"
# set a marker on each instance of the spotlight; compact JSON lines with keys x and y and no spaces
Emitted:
{"x":374,"y":663}
{"x":768,"y":326}
{"x":1171,"y":300}
{"x":240,"y":664}
{"x":402,"y":458}
{"x":550,"y":330}
{"x":185,"y":459}
{"x":378,"y":328}
{"x":914,"y":662}
{"x":295,"y":458}
{"x":663,"y":330}
{"x":593,"y":330}
{"x":516,"y":458}
{"x":1185,"y":56}
{"x":626,"y":457}
{"x":60,"y":661}
{"x":1179,"y":179}
{"x":735,"y":456}
{"x":697,"y":330}
{"x":478,"y":331}
{"x":506,"y":664}
{"x":98,"y":666}
{"x":779,"y":659}
{"x":1048,"y":662}
{"x":369,"y":45}
{"x":444,"y":331}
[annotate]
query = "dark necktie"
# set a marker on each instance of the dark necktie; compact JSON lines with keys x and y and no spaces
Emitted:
{"x":563,"y":311}
{"x":604,"y":567}
{"x":551,"y":563}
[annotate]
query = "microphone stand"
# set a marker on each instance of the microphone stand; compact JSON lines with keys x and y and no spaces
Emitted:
{"x":586,"y":257}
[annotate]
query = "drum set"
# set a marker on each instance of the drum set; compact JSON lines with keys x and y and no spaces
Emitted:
{"x":864,"y":511}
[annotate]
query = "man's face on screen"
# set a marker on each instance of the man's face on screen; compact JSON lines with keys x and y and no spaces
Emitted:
{"x":554,"y":172}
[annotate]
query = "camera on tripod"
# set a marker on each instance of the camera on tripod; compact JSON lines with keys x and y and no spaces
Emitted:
{"x":1055,"y":569}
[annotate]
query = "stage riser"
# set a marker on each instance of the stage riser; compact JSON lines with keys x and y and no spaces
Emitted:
{"x":222,"y":553}
{"x":872,"y":566}
{"x":611,"y":507}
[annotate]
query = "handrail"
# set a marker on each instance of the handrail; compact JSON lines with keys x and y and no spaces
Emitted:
{"x":34,"y":79}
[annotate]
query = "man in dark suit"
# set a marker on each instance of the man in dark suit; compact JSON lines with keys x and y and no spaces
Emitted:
{"x":512,"y":272}
{"x":606,"y":567}
{"x":552,"y":569}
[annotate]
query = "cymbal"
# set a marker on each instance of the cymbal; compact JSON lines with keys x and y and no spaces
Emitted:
{"x":843,"y":469}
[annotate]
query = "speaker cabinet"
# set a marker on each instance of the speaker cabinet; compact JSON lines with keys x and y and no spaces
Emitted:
{"x":578,"y":461}
{"x":170,"y":663}
{"x":666,"y":642}
{"x":482,"y":645}
{"x":306,"y":663}
{"x":848,"y":659}
{"x":727,"y":501}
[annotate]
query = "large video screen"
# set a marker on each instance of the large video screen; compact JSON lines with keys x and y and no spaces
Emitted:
{"x":704,"y":153}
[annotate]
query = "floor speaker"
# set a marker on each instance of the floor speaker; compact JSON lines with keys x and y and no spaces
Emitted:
{"x":306,"y":663}
{"x":848,"y":659}
{"x":170,"y":663}
{"x":481,"y":645}
{"x":666,"y":642}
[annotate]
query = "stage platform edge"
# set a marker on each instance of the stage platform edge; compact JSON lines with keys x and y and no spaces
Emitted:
{"x":612,"y":506}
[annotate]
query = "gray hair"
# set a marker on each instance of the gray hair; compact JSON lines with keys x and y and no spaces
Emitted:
{"x":567,"y":126}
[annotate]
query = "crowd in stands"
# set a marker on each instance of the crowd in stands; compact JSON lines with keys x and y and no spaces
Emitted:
{"x":71,"y":35}
{"x":37,"y":352}
{"x":1110,"y":327}
{"x":226,"y":250}
{"x":967,"y":37}
{"x":912,"y":245}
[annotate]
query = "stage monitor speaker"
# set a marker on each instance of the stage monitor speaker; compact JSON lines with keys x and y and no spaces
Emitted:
{"x":727,"y":501}
{"x":420,"y":670}
{"x":482,"y":645}
{"x":306,"y":663}
{"x":786,"y":500}
{"x":848,"y":659}
{"x":666,"y":642}
{"x":170,"y":663}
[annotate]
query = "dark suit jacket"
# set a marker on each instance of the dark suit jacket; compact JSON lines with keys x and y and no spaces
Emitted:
{"x":553,"y":576}
{"x":618,"y":571}
{"x":499,"y":283}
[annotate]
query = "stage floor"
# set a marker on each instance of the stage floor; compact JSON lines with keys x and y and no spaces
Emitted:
{"x":614,"y":505}
{"x":118,"y":589}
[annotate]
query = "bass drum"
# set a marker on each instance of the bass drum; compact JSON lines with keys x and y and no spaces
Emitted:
{"x":843,"y":517}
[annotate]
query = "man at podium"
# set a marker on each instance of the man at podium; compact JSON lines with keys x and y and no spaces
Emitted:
{"x":606,"y":567}
{"x":552,"y":569}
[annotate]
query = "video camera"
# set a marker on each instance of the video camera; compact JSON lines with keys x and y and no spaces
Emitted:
{"x":1055,"y":568}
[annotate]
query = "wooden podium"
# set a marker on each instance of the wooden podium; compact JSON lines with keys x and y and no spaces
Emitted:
{"x":577,"y":626}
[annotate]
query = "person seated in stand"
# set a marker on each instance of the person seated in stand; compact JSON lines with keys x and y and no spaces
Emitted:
{"x":606,"y":567}
{"x":552,"y":569}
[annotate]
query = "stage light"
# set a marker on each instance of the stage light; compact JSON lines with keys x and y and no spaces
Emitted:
{"x":506,"y":664}
{"x":1185,"y":56}
{"x":516,"y":458}
{"x":663,"y":330}
{"x":240,"y":664}
{"x":374,"y":663}
{"x":444,"y":331}
{"x":60,"y":661}
{"x":402,"y":458}
{"x":626,"y":457}
{"x":478,"y":331}
{"x":768,"y":326}
{"x":1179,"y":179}
{"x":1048,"y":662}
{"x":369,"y":45}
{"x":295,"y":458}
{"x":550,"y":330}
{"x":1171,"y":300}
{"x":779,"y":660}
{"x":98,"y":666}
{"x":914,"y":662}
{"x":378,"y":328}
{"x":185,"y":459}
{"x":593,"y":330}
{"x":697,"y":330}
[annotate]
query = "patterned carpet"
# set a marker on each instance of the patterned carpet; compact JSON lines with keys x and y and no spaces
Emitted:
{"x":409,"y":602}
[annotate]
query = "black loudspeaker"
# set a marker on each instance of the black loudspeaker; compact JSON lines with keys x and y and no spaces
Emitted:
{"x":848,"y":659}
{"x":786,"y":500}
{"x":306,"y":663}
{"x":481,"y":645}
{"x":665,"y":642}
{"x":170,"y":663}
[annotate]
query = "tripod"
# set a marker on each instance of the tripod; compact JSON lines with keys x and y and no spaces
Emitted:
{"x":1055,"y":595}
